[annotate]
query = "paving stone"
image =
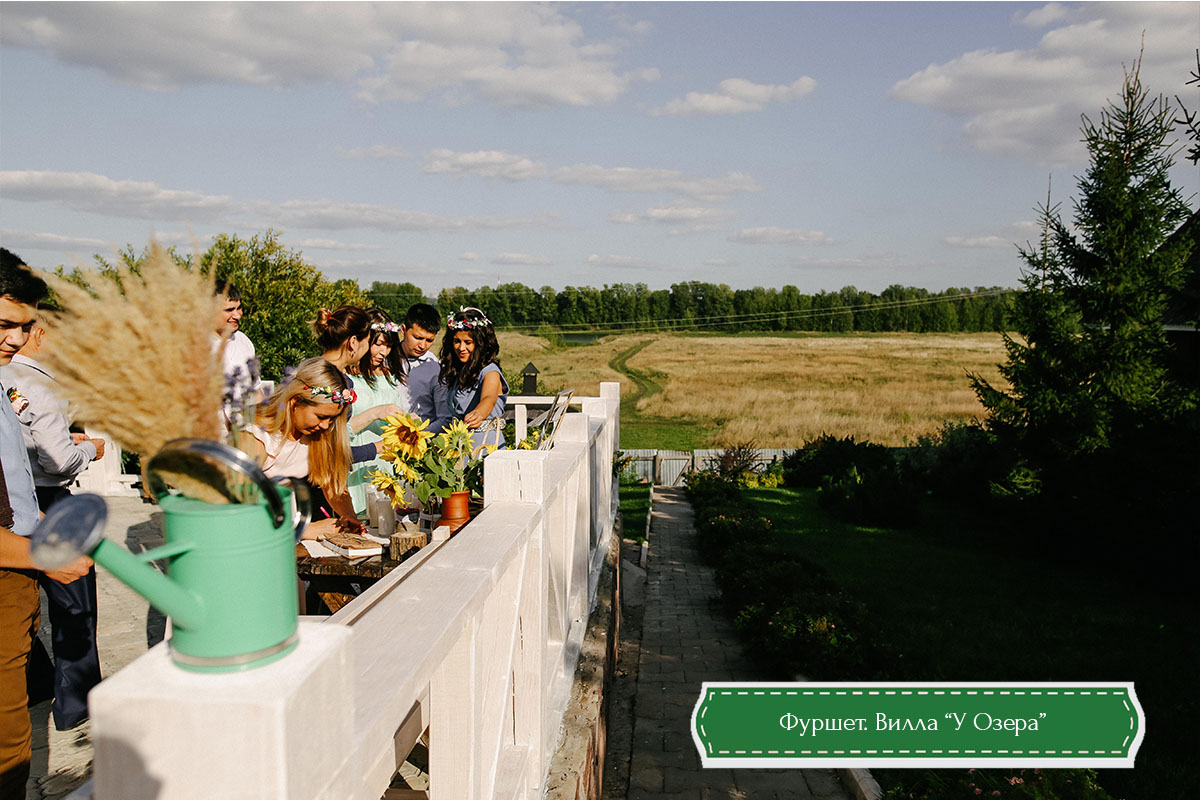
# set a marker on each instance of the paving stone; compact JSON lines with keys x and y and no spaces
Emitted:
{"x":686,"y":641}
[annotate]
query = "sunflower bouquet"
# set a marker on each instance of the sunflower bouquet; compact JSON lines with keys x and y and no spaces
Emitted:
{"x":431,"y":465}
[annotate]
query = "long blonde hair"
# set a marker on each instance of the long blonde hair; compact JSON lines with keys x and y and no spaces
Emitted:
{"x":329,"y":451}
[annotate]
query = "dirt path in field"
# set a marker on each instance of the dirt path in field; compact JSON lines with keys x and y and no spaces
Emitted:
{"x":644,"y":380}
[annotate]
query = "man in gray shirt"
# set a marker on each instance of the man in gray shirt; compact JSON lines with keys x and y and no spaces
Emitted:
{"x":57,"y":456}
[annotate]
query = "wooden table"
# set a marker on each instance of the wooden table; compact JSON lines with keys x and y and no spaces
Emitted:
{"x":336,"y":580}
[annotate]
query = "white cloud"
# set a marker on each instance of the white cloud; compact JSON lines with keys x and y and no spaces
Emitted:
{"x":631,"y":179}
{"x":484,"y":163}
{"x":977,"y":241}
{"x":628,"y":262}
{"x":333,"y":244}
{"x":523,"y":259}
{"x":772,"y":235}
{"x":512,"y":54}
{"x":1041,"y":17}
{"x":673,"y":214}
{"x":21,"y":240}
{"x":98,"y":194}
{"x":719,"y":262}
{"x":337,"y":215}
{"x":377,"y":151}
{"x":1027,"y":103}
{"x":87,"y":191}
{"x":469,"y":256}
{"x":500,"y":165}
{"x":736,"y":96}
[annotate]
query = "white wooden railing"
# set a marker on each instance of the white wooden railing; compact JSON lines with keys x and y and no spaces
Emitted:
{"x":476,"y":638}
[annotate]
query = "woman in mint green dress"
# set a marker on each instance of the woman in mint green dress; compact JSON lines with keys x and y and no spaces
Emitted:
{"x":379,"y":381}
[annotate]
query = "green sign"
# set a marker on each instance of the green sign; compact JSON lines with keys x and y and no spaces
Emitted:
{"x":918,"y":724}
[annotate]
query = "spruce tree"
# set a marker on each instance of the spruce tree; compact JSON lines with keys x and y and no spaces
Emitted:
{"x":1089,"y":369}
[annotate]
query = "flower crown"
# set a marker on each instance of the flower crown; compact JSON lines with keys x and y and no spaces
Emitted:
{"x":386,"y":327}
{"x":343,"y":398}
{"x":467,"y":324}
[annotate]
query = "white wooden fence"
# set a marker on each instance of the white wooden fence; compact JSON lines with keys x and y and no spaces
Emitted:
{"x":477,"y":638}
{"x":667,"y":467}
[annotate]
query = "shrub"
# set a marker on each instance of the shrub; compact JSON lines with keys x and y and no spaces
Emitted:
{"x":828,"y":456}
{"x":1011,"y":784}
{"x":961,"y":461}
{"x":737,"y":460}
{"x":770,"y":478}
{"x":879,"y":497}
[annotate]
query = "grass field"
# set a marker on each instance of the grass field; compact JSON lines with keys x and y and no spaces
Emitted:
{"x":686,"y":391}
{"x":961,"y":603}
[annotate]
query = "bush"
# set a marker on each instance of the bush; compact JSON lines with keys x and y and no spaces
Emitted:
{"x":880,"y":497}
{"x":770,"y":478}
{"x":737,"y":460}
{"x":828,"y":456}
{"x":1012,"y":784}
{"x":960,"y":462}
{"x":788,"y":611}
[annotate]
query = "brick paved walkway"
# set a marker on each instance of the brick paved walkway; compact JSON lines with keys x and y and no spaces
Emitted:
{"x":686,"y":641}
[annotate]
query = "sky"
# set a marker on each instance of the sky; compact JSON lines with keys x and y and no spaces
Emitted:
{"x":819,"y":145}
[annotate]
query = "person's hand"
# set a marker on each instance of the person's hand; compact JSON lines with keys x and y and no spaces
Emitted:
{"x":79,"y":438}
{"x":388,"y":410}
{"x":472,"y":419}
{"x":71,"y":572}
{"x":316,"y":531}
{"x":99,"y":448}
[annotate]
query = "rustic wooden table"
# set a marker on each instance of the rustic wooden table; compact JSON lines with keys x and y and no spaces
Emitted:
{"x":334,"y":581}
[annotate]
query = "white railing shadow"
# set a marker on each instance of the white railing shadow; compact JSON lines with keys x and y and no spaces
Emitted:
{"x":476,"y":638}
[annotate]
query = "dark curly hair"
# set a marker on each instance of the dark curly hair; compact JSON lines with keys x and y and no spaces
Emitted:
{"x":487,"y":349}
{"x":395,"y":365}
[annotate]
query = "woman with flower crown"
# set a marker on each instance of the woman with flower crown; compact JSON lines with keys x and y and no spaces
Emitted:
{"x":301,"y":433}
{"x":471,"y":369}
{"x":344,"y":336}
{"x":381,"y":387}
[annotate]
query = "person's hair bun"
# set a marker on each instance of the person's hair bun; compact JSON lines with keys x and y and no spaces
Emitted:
{"x":323,"y":317}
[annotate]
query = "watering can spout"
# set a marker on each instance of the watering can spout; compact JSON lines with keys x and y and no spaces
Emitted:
{"x":74,"y":526}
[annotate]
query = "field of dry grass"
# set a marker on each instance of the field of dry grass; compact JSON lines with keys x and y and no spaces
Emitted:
{"x":778,"y":391}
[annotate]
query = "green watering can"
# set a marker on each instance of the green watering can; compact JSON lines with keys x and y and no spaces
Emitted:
{"x":230,"y":587}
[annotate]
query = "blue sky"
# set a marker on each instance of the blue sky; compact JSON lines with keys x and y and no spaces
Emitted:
{"x":755,"y":144}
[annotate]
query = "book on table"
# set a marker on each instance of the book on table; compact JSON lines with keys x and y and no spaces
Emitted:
{"x":353,"y":545}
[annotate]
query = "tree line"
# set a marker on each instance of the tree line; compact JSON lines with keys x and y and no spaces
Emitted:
{"x":695,"y":305}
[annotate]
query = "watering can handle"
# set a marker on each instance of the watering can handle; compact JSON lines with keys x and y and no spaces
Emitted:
{"x":303,"y":512}
{"x":223,"y":454}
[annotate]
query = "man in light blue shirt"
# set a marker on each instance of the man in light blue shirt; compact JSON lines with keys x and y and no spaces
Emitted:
{"x":57,"y":456}
{"x":20,"y":292}
{"x":427,"y":395}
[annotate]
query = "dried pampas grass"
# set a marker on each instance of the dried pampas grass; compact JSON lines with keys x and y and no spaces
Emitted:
{"x":135,"y":355}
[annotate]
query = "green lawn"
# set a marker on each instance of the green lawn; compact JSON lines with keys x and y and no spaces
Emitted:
{"x":635,"y":504}
{"x":962,"y":604}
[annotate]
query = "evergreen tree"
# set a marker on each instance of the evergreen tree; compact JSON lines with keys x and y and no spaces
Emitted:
{"x":1091,"y":371}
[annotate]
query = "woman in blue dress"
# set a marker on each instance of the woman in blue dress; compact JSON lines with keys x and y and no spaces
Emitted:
{"x":471,"y":369}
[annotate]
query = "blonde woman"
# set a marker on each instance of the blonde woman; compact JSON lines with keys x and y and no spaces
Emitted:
{"x":301,"y":433}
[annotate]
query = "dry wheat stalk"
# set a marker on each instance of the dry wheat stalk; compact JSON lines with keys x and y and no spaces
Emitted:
{"x":139,"y":364}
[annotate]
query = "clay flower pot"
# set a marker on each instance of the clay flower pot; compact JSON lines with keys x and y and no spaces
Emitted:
{"x":456,"y":511}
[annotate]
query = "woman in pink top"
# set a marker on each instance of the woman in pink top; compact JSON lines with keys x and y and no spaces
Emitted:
{"x":301,"y":433}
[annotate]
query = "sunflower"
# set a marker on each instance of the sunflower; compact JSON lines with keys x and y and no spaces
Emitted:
{"x":404,"y":436}
{"x":385,"y":483}
{"x":455,"y":440}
